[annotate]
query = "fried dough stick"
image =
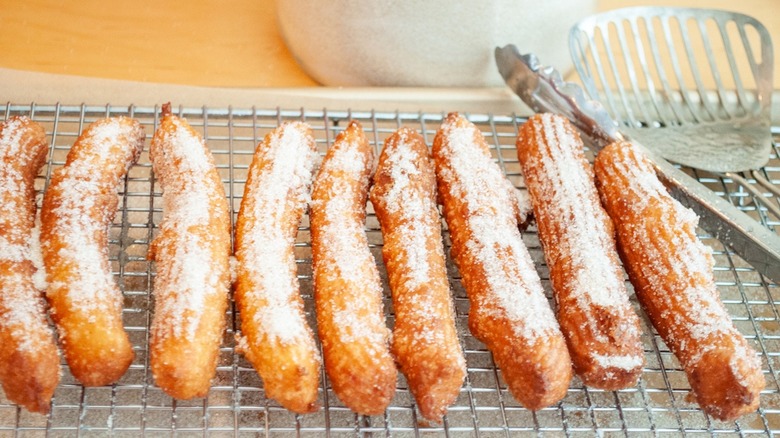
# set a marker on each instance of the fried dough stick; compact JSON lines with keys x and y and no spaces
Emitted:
{"x":78,"y":209}
{"x":601,"y":329}
{"x":509,"y":312}
{"x":425,"y":341}
{"x":348,"y":291}
{"x":192,"y":255}
{"x":275,"y":335}
{"x":29,"y":360}
{"x":671,"y":270}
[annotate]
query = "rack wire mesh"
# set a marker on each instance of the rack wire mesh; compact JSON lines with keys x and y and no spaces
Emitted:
{"x":236,"y":404}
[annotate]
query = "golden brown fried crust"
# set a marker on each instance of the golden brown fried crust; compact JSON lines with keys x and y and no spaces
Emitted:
{"x":191,"y":254}
{"x":509,"y":311}
{"x":29,"y":361}
{"x":672,"y":274}
{"x":601,"y":329}
{"x":78,"y":209}
{"x":275,"y":336}
{"x":425,"y":341}
{"x":348,"y":291}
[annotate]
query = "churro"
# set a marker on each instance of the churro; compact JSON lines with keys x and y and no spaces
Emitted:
{"x":29,"y":360}
{"x":509,"y":311}
{"x":425,"y":341}
{"x":347,"y":287}
{"x":192,"y":256}
{"x":672,"y":273}
{"x":275,"y":336}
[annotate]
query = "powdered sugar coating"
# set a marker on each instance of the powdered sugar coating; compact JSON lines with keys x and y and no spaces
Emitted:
{"x":93,"y":274}
{"x":23,"y":150}
{"x":474,"y":177}
{"x":194,"y":207}
{"x":344,"y":242}
{"x":565,"y":188}
{"x":24,"y":313}
{"x":79,"y":207}
{"x":412,"y":208}
{"x":578,"y":240}
{"x":279,"y":191}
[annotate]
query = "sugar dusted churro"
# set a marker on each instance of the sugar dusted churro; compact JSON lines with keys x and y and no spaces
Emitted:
{"x":671,"y":270}
{"x":601,"y":329}
{"x":192,"y":254}
{"x":275,"y":335}
{"x":509,"y":311}
{"x":425,"y":342}
{"x":29,"y":361}
{"x":348,"y":291}
{"x":78,"y":209}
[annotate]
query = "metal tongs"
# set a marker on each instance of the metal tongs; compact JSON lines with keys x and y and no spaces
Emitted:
{"x":543,"y":89}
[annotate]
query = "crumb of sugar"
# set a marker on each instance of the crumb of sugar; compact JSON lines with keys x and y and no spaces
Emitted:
{"x":233,"y":264}
{"x":266,"y":249}
{"x":36,"y":255}
{"x":475,"y":179}
{"x":522,"y":202}
{"x":624,"y":362}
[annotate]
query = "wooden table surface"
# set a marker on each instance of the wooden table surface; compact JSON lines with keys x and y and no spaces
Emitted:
{"x":231,"y":43}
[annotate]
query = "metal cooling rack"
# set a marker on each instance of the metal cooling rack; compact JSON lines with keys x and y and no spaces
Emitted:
{"x":236,"y":404}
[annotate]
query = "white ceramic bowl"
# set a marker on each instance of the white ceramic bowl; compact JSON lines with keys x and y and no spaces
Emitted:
{"x":423,"y":42}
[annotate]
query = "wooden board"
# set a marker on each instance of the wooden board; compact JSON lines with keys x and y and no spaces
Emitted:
{"x":232,"y":43}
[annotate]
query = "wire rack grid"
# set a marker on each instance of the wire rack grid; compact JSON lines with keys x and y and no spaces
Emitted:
{"x":236,"y":404}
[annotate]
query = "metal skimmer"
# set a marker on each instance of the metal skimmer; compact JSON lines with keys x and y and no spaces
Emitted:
{"x":694,"y":85}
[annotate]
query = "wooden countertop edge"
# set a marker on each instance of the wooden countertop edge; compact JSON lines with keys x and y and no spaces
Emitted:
{"x":23,"y":87}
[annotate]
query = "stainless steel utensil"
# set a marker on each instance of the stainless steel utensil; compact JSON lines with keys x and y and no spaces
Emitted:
{"x":544,"y":91}
{"x":708,"y":108}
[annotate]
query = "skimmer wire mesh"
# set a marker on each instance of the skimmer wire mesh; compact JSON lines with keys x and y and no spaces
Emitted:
{"x":237,"y":406}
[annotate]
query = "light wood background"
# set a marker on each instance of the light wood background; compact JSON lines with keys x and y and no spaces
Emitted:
{"x":230,"y":43}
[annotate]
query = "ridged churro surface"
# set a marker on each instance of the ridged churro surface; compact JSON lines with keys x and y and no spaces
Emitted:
{"x":425,"y":341}
{"x":672,"y":273}
{"x":600,"y":326}
{"x":509,"y":311}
